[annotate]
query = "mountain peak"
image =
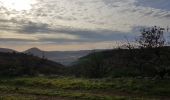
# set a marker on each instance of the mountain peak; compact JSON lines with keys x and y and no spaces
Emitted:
{"x":33,"y":49}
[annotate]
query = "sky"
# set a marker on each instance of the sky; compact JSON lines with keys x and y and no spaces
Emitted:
{"x":77,"y":24}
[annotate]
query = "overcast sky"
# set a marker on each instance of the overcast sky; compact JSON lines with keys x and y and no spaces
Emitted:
{"x":77,"y":24}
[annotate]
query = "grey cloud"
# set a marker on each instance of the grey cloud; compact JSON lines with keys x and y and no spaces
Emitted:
{"x":157,"y":4}
{"x":34,"y":28}
{"x":15,"y":40}
{"x":84,"y":35}
{"x":158,"y":8}
{"x":27,"y":27}
{"x":12,"y":25}
{"x":97,"y":35}
{"x":167,"y":15}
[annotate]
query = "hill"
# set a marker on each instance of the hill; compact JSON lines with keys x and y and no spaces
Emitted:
{"x":124,"y":62}
{"x":63,"y":57}
{"x":18,"y":64}
{"x":7,"y":50}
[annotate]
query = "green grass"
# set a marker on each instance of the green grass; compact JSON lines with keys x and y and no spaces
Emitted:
{"x":16,"y":97}
{"x":84,"y":89}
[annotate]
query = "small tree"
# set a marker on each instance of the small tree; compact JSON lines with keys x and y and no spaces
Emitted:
{"x":152,"y":37}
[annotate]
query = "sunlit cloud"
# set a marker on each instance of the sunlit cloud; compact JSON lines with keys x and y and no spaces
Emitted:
{"x":17,"y":5}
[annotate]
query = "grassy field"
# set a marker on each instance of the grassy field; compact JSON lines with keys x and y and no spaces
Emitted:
{"x":65,"y":88}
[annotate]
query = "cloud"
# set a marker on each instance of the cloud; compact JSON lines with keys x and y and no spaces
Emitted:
{"x":158,"y":4}
{"x":34,"y":28}
{"x":81,"y":21}
{"x":44,"y":33}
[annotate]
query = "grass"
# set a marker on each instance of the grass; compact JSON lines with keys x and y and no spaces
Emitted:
{"x":36,"y":88}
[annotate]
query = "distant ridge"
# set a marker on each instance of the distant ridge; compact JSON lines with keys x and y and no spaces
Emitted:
{"x":5,"y":50}
{"x":63,"y":57}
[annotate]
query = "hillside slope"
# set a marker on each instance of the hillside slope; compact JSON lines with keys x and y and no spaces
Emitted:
{"x":124,"y":62}
{"x":24,"y":64}
{"x":7,"y":50}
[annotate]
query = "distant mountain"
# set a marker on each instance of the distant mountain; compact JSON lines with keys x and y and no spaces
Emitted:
{"x":35,"y":51}
{"x":63,"y":57}
{"x":18,"y":64}
{"x":6,"y":50}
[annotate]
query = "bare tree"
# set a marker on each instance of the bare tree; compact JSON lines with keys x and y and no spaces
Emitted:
{"x":152,"y":37}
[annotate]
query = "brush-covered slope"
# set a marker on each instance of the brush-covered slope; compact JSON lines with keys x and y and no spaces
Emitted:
{"x":24,"y":64}
{"x":123,"y":62}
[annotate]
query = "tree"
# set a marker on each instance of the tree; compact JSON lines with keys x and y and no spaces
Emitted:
{"x":151,"y":43}
{"x":152,"y":37}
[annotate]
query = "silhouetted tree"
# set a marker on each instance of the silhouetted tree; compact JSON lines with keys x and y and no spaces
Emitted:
{"x":152,"y":37}
{"x":151,"y":41}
